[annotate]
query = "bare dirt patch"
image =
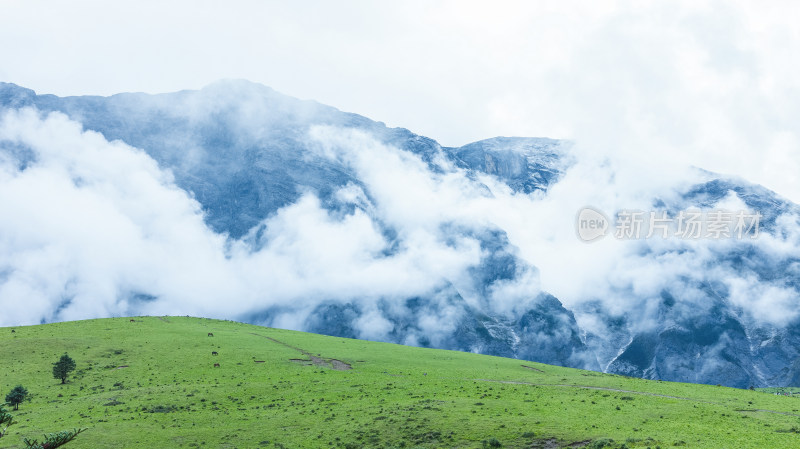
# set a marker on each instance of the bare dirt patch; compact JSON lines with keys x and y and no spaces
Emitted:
{"x":316,"y":360}
{"x":546,"y":443}
{"x":339,"y":365}
{"x":553,"y":443}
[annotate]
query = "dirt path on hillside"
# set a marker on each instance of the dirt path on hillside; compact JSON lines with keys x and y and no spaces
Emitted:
{"x":316,"y":360}
{"x":532,"y":368}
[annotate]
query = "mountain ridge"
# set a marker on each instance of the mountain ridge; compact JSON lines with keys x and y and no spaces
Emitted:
{"x":245,"y":153}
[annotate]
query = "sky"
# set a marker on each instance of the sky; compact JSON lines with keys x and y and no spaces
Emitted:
{"x":710,"y":84}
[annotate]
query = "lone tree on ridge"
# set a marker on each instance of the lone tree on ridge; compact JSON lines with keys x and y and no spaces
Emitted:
{"x":63,"y":367}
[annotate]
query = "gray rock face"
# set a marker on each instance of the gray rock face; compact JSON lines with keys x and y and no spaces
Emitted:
{"x":525,"y":164}
{"x":546,"y":333}
{"x":700,"y":331}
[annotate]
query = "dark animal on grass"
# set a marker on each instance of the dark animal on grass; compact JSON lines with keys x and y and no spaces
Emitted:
{"x":210,"y":334}
{"x":214,"y":353}
{"x":216,"y":365}
{"x":133,"y":321}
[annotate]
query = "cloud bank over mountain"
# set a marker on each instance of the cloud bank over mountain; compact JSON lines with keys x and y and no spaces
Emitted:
{"x":96,"y":228}
{"x":238,"y":202}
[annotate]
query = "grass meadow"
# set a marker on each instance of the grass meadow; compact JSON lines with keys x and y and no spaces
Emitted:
{"x":151,"y":383}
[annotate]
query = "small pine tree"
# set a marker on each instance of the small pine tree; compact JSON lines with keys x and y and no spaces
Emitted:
{"x":51,"y":440}
{"x":63,"y":367}
{"x":5,"y":420}
{"x":17,"y":396}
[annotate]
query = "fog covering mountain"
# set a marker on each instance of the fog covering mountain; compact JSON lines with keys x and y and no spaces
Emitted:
{"x":238,"y":202}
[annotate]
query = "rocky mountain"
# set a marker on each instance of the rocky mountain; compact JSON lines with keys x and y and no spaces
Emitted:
{"x":436,"y":269}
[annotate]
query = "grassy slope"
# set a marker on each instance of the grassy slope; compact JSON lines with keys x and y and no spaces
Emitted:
{"x":170,"y":395}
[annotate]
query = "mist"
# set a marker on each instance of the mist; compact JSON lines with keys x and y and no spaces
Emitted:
{"x":94,"y":227}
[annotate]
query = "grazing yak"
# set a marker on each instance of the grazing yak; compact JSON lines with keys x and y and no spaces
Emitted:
{"x":214,"y":353}
{"x":216,"y":365}
{"x":210,"y":334}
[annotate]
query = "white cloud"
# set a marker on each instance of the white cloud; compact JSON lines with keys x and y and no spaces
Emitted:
{"x":706,"y":83}
{"x":89,"y":224}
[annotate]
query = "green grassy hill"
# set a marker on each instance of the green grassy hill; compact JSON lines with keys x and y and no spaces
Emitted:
{"x":151,"y":383}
